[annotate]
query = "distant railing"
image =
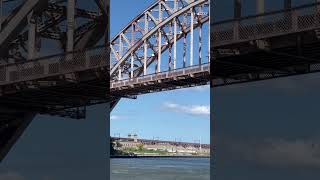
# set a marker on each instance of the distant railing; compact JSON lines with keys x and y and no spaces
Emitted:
{"x":54,"y":65}
{"x":266,"y":25}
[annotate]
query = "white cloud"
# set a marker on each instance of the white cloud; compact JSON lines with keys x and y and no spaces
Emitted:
{"x":115,"y":117}
{"x":188,"y":109}
{"x":11,"y":176}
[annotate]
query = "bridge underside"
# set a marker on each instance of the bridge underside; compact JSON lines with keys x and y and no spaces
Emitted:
{"x":279,"y":56}
{"x":188,"y":77}
{"x":165,"y":85}
{"x":65,"y":95}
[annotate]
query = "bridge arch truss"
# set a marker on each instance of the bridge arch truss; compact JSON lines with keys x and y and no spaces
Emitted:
{"x":169,"y":41}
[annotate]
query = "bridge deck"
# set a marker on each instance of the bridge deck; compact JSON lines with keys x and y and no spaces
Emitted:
{"x":264,"y":26}
{"x":168,"y":80}
{"x":276,"y":44}
{"x":56,"y":83}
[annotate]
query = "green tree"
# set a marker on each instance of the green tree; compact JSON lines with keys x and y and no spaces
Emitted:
{"x":140,"y":147}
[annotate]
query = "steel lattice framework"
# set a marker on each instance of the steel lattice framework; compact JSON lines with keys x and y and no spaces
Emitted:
{"x":26,"y":26}
{"x":34,"y":81}
{"x":156,"y":51}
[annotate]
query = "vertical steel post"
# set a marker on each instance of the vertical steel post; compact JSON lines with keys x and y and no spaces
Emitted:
{"x":1,"y":14}
{"x":237,"y":9}
{"x":288,"y":15}
{"x":260,"y":6}
{"x":132,"y":42}
{"x":200,"y":44}
{"x":70,"y":24}
{"x":287,"y":4}
{"x":107,"y":17}
{"x":259,"y":10}
{"x":184,"y":40}
{"x":200,"y":38}
{"x":170,"y":47}
{"x":146,"y":27}
{"x":131,"y":72}
{"x":120,"y":55}
{"x":31,"y":36}
{"x":191,"y":36}
{"x":317,"y":12}
{"x":175,"y":38}
{"x":159,"y":40}
{"x":237,"y":15}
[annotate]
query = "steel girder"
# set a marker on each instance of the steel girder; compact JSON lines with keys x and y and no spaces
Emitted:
{"x":49,"y":19}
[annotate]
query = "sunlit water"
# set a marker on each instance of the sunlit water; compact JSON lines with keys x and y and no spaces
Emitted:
{"x":160,"y":169}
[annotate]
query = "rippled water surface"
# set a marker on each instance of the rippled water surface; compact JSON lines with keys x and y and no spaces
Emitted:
{"x":160,"y":169}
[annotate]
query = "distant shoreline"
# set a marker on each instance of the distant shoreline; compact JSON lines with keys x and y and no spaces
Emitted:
{"x":150,"y":157}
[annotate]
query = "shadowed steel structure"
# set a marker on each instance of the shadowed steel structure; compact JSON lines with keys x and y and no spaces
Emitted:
{"x":34,"y":81}
{"x":161,"y":49}
{"x":263,"y":46}
{"x":64,"y":84}
{"x":267,"y":45}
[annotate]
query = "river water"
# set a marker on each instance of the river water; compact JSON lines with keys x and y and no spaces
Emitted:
{"x":160,"y":169}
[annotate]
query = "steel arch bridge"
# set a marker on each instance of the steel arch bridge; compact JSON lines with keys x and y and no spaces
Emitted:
{"x":43,"y":65}
{"x":63,"y":85}
{"x":156,"y":51}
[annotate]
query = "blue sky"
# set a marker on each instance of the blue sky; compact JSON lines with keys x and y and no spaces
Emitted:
{"x":180,"y":114}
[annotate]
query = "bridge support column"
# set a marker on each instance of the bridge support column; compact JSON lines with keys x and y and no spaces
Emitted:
{"x":70,"y":25}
